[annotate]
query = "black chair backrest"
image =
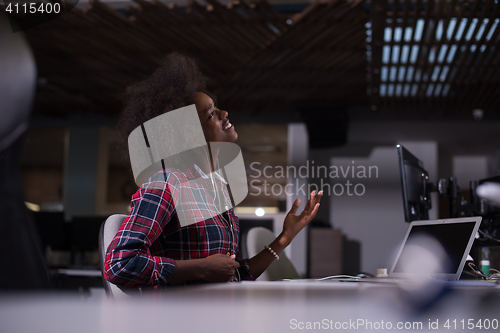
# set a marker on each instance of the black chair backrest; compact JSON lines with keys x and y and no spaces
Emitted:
{"x":17,"y":83}
{"x":20,"y":250}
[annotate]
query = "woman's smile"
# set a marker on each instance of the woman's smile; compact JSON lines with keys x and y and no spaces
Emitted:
{"x":228,"y":125}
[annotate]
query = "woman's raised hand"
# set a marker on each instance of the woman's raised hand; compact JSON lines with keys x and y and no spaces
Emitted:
{"x":294,"y":223}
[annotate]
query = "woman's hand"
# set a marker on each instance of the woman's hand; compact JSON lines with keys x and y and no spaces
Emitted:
{"x":294,"y":223}
{"x":219,"y":268}
{"x":291,"y":227}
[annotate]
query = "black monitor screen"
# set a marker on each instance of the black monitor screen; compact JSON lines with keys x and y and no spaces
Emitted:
{"x":416,"y":200}
{"x":453,"y":237}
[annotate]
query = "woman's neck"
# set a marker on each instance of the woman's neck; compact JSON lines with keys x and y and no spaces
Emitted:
{"x":208,"y":160}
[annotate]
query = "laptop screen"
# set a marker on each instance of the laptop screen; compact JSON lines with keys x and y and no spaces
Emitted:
{"x":455,"y":237}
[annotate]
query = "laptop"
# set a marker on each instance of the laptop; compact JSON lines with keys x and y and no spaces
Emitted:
{"x":433,"y":248}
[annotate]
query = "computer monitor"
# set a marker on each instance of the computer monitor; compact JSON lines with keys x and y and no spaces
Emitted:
{"x":414,"y":185}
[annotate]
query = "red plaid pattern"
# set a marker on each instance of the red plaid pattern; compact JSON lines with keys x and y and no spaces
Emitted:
{"x":151,"y":238}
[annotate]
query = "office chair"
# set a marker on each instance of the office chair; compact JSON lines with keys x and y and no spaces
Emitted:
{"x":256,"y":239}
{"x":108,"y":231}
{"x":21,"y":257}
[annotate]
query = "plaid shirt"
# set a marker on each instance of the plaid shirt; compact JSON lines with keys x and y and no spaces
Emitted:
{"x":152,"y":237}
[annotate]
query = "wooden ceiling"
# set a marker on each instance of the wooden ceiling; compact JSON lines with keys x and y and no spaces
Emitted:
{"x":433,"y":58}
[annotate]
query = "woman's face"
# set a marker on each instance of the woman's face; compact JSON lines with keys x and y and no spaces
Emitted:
{"x":215,"y":123}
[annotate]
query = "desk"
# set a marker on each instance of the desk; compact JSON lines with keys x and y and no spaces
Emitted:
{"x":252,"y":307}
{"x":80,"y":272}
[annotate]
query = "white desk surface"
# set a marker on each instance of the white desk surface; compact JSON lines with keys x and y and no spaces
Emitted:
{"x":257,"y":307}
{"x":80,"y":272}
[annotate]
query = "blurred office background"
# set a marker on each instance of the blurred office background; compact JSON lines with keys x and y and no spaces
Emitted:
{"x":334,"y":83}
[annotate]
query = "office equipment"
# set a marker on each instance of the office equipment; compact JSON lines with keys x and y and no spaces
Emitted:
{"x":454,"y":236}
{"x":416,"y":188}
{"x":414,"y":184}
{"x":485,"y":201}
{"x":484,"y":198}
{"x":436,"y":249}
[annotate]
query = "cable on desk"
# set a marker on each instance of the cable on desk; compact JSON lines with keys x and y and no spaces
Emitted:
{"x":488,"y":236}
{"x":494,"y":274}
{"x":332,"y":277}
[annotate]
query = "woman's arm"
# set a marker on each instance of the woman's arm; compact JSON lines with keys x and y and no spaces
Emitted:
{"x":292,"y":225}
{"x":129,"y":260}
{"x":214,"y":268}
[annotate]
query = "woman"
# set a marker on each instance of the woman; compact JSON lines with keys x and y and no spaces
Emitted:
{"x":153,"y":248}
